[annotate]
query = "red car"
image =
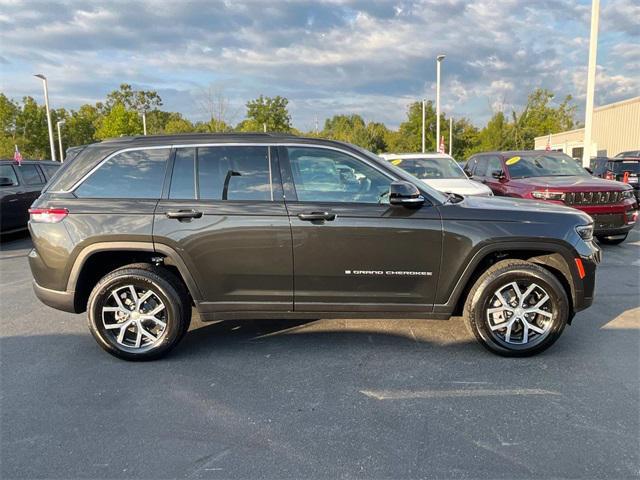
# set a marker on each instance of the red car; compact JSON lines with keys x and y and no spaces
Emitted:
{"x":557,"y":178}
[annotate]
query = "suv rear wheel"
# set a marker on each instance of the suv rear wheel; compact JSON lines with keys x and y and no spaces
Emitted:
{"x":517,"y":308}
{"x":139,"y":312}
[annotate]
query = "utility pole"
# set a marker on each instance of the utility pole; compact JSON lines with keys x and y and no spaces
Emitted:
{"x":46,"y":104}
{"x":58,"y":123}
{"x":144,"y":122}
{"x":591,"y":83}
{"x":423,"y":126}
{"x":439,"y":60}
{"x":450,"y":135}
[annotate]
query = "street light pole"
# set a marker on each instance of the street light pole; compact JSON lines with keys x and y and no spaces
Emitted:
{"x":46,"y":104}
{"x":439,"y":60}
{"x":144,"y":122}
{"x":423,"y":126}
{"x":58,"y":123}
{"x":591,"y":83}
{"x":450,"y":135}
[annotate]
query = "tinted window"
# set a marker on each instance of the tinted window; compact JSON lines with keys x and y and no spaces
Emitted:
{"x":31,"y":175}
{"x":544,"y":165}
{"x":136,"y":174}
{"x":631,"y":166}
{"x":49,"y":170}
{"x":429,"y":168}
{"x":322,"y":175}
{"x":494,"y":164}
{"x":183,"y":185}
{"x":481,"y":167}
{"x":7,"y":171}
{"x":234,"y":173}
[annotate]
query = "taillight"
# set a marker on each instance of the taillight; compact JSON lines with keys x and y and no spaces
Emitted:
{"x":48,"y":215}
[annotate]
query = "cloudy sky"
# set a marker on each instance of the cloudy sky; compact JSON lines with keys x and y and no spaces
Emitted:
{"x":364,"y":56}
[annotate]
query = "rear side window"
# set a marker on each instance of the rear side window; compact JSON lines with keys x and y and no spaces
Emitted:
{"x":234,"y":173}
{"x":134,"y":174}
{"x":183,"y":184}
{"x":7,"y":171}
{"x":494,"y":165}
{"x":31,"y":175}
{"x":49,"y":170}
{"x":481,"y":167}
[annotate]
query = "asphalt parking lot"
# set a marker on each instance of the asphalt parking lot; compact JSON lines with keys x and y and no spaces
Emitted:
{"x":325,"y":399}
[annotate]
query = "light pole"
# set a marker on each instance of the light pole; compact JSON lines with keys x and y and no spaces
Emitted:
{"x":58,"y":123}
{"x":439,"y":60}
{"x":423,"y":126}
{"x":46,"y":104}
{"x":450,"y":135}
{"x":591,"y":83}
{"x":144,"y":122}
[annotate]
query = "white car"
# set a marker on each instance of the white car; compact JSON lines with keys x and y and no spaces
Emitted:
{"x":438,"y":170}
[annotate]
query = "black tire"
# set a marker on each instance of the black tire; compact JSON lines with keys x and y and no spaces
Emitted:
{"x":612,"y":239}
{"x":500,"y":276}
{"x":165,"y":287}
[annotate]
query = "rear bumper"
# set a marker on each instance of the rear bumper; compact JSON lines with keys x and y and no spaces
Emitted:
{"x":56,"y":299}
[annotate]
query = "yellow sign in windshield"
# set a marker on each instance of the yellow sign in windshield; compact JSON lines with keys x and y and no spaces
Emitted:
{"x":396,"y":161}
{"x":512,"y":160}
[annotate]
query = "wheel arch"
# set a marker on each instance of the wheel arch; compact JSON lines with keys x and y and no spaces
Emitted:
{"x":557,"y":257}
{"x":98,"y":259}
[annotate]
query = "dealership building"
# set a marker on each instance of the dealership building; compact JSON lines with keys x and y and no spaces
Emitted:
{"x":616,"y":128}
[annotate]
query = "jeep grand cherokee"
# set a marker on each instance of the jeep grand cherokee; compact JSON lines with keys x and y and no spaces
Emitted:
{"x":138,"y":230}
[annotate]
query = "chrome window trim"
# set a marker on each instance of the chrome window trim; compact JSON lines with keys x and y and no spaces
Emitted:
{"x":223,"y":144}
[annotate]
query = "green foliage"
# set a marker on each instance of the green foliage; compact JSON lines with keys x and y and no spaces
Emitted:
{"x":24,"y":124}
{"x":118,"y":122}
{"x":269,"y":111}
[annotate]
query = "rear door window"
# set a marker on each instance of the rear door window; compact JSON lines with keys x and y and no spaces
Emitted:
{"x":7,"y":171}
{"x":234,"y":173}
{"x":133,"y":174}
{"x":31,"y":175}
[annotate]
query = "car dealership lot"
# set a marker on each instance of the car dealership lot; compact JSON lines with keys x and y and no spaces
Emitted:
{"x":326,"y":399}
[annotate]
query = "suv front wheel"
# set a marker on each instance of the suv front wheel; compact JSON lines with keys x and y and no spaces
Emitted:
{"x":517,"y":308}
{"x":139,"y":312}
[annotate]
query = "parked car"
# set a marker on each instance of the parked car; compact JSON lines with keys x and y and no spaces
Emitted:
{"x":254,"y":226}
{"x":20,"y":185}
{"x":623,"y":169}
{"x":629,"y":153}
{"x":557,"y":178}
{"x":439,"y":171}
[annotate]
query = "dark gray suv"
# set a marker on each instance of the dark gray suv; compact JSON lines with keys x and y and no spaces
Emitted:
{"x":138,"y":230}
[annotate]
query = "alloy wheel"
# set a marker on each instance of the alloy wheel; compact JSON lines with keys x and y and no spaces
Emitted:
{"x":135,"y":318}
{"x":520,"y":314}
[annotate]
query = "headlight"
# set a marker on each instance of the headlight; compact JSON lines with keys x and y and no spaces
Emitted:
{"x":627,"y":194}
{"x":547,"y":195}
{"x":585,"y":231}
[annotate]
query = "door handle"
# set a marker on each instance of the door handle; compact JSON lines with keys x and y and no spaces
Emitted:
{"x":317,"y":216}
{"x":184,"y":214}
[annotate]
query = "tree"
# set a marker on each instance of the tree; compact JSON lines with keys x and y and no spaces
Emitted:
{"x":269,"y":111}
{"x":497,"y":135}
{"x":9,"y":111}
{"x":352,"y":129}
{"x":177,"y":124}
{"x":465,"y":139}
{"x":540,"y":117}
{"x":409,"y":138}
{"x":119,"y":121}
{"x":217,"y":107}
{"x":138,"y":100}
{"x":80,"y":126}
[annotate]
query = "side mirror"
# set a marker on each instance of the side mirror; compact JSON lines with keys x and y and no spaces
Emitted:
{"x":499,"y":174}
{"x":589,"y":170}
{"x":405,"y":194}
{"x":6,"y":182}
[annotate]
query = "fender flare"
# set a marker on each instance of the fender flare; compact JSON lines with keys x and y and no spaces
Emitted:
{"x":549,"y":246}
{"x":174,"y":257}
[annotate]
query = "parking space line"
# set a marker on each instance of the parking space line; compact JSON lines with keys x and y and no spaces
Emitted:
{"x":477,"y":392}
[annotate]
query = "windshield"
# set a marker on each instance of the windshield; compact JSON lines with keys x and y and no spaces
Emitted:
{"x":631,"y":166}
{"x":544,"y":165}
{"x":430,"y":168}
{"x":632,"y":153}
